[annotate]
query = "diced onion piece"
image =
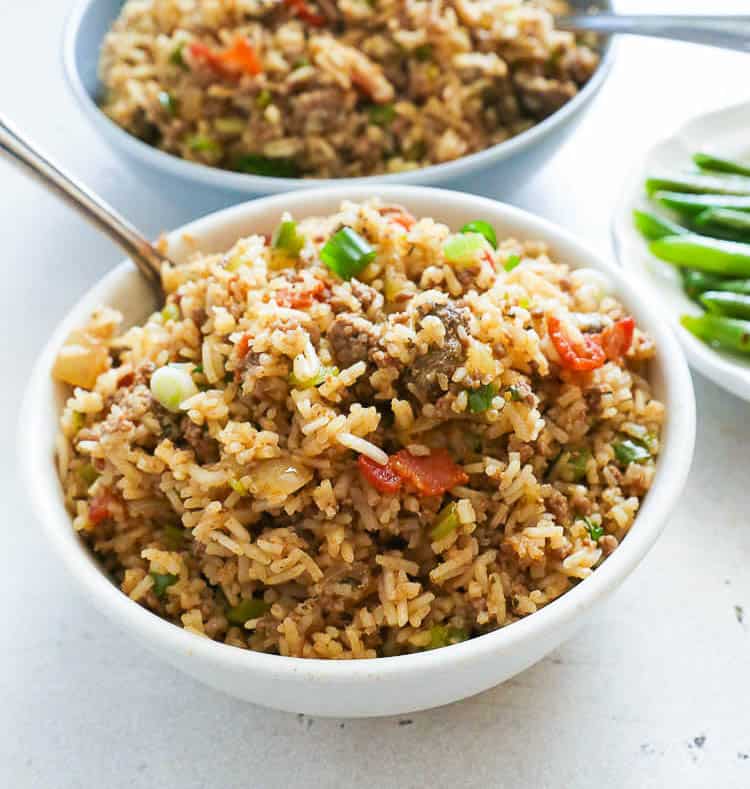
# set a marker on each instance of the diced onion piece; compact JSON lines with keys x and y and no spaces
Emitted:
{"x":595,"y":280}
{"x":172,"y":385}
{"x":463,"y":249}
{"x":80,"y":364}
{"x":277,"y":478}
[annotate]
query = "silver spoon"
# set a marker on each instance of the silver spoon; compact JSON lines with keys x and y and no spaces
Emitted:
{"x":729,"y":32}
{"x":20,"y":152}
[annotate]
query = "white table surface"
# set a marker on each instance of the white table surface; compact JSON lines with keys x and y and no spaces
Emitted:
{"x":653,"y":693}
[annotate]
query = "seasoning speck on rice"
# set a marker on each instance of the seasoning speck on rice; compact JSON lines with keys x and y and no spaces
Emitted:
{"x":348,"y":440}
{"x":336,"y":88}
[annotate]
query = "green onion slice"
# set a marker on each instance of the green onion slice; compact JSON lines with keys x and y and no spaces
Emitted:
{"x":256,"y":164}
{"x":481,"y":399}
{"x":463,"y":249}
{"x":247,"y":609}
{"x":443,"y":636}
{"x":594,"y":529}
{"x":167,"y":102}
{"x":512,"y":262}
{"x":203,"y":144}
{"x":88,"y":474}
{"x":628,"y":452}
{"x":170,"y":312}
{"x":483,"y":228}
{"x":346,"y":253}
{"x":382,"y":114}
{"x":172,"y":385}
{"x":175,"y":56}
{"x":446,"y":522}
{"x":162,"y":581}
{"x":571,"y":465}
{"x":288,"y":239}
{"x":316,"y":380}
{"x":174,"y":536}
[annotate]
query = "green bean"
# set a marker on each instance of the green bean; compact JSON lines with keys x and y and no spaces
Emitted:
{"x":724,"y":218}
{"x":653,"y":226}
{"x":731,"y":305}
{"x":716,"y":164}
{"x":697,"y":282}
{"x":698,"y":183}
{"x":729,"y":334}
{"x":693,"y":204}
{"x":711,"y":255}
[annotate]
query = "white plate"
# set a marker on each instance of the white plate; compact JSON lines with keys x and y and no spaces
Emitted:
{"x":725,"y":132}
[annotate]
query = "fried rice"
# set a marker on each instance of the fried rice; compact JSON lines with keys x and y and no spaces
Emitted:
{"x":335,"y":88}
{"x":359,"y":466}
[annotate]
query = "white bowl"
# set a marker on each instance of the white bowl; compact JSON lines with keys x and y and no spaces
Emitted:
{"x":515,"y":160}
{"x":725,"y":133}
{"x":384,"y":685}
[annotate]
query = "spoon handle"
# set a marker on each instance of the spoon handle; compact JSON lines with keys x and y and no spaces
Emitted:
{"x":21,"y":153}
{"x":729,"y":32}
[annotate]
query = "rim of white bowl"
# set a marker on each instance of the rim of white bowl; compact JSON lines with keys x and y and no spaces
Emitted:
{"x":672,"y":470}
{"x":260,"y":184}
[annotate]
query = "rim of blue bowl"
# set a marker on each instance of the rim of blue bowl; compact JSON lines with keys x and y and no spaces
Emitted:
{"x":259,"y":184}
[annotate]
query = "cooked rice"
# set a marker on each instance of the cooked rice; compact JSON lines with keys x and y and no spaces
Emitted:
{"x":254,"y":490}
{"x":381,"y":86}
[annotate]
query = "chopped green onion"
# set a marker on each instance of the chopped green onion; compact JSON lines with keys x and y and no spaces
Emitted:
{"x":247,"y":609}
{"x":162,"y":581}
{"x":416,"y":151}
{"x":628,"y":452}
{"x":202,"y":143}
{"x":316,"y":380}
{"x":238,"y":487}
{"x":571,"y":466}
{"x":167,"y":102}
{"x":512,"y":262}
{"x":423,"y":53}
{"x":446,"y":522}
{"x":301,"y":63}
{"x":175,"y":57}
{"x":483,"y":228}
{"x":443,"y":636}
{"x":288,"y":239}
{"x":481,"y":399}
{"x":382,"y":114}
{"x":88,"y":474}
{"x":171,"y":312}
{"x":198,"y":369}
{"x":515,"y":394}
{"x":594,"y":529}
{"x":77,"y":420}
{"x":263,"y":99}
{"x":463,"y":249}
{"x":256,"y":164}
{"x":174,"y":536}
{"x":230,"y":125}
{"x":346,"y":253}
{"x":172,"y":385}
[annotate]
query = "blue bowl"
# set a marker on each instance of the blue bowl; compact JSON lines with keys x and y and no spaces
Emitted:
{"x":508,"y":164}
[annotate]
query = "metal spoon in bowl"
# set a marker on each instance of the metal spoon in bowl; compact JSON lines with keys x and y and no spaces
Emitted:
{"x":729,"y":32}
{"x":142,"y":252}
